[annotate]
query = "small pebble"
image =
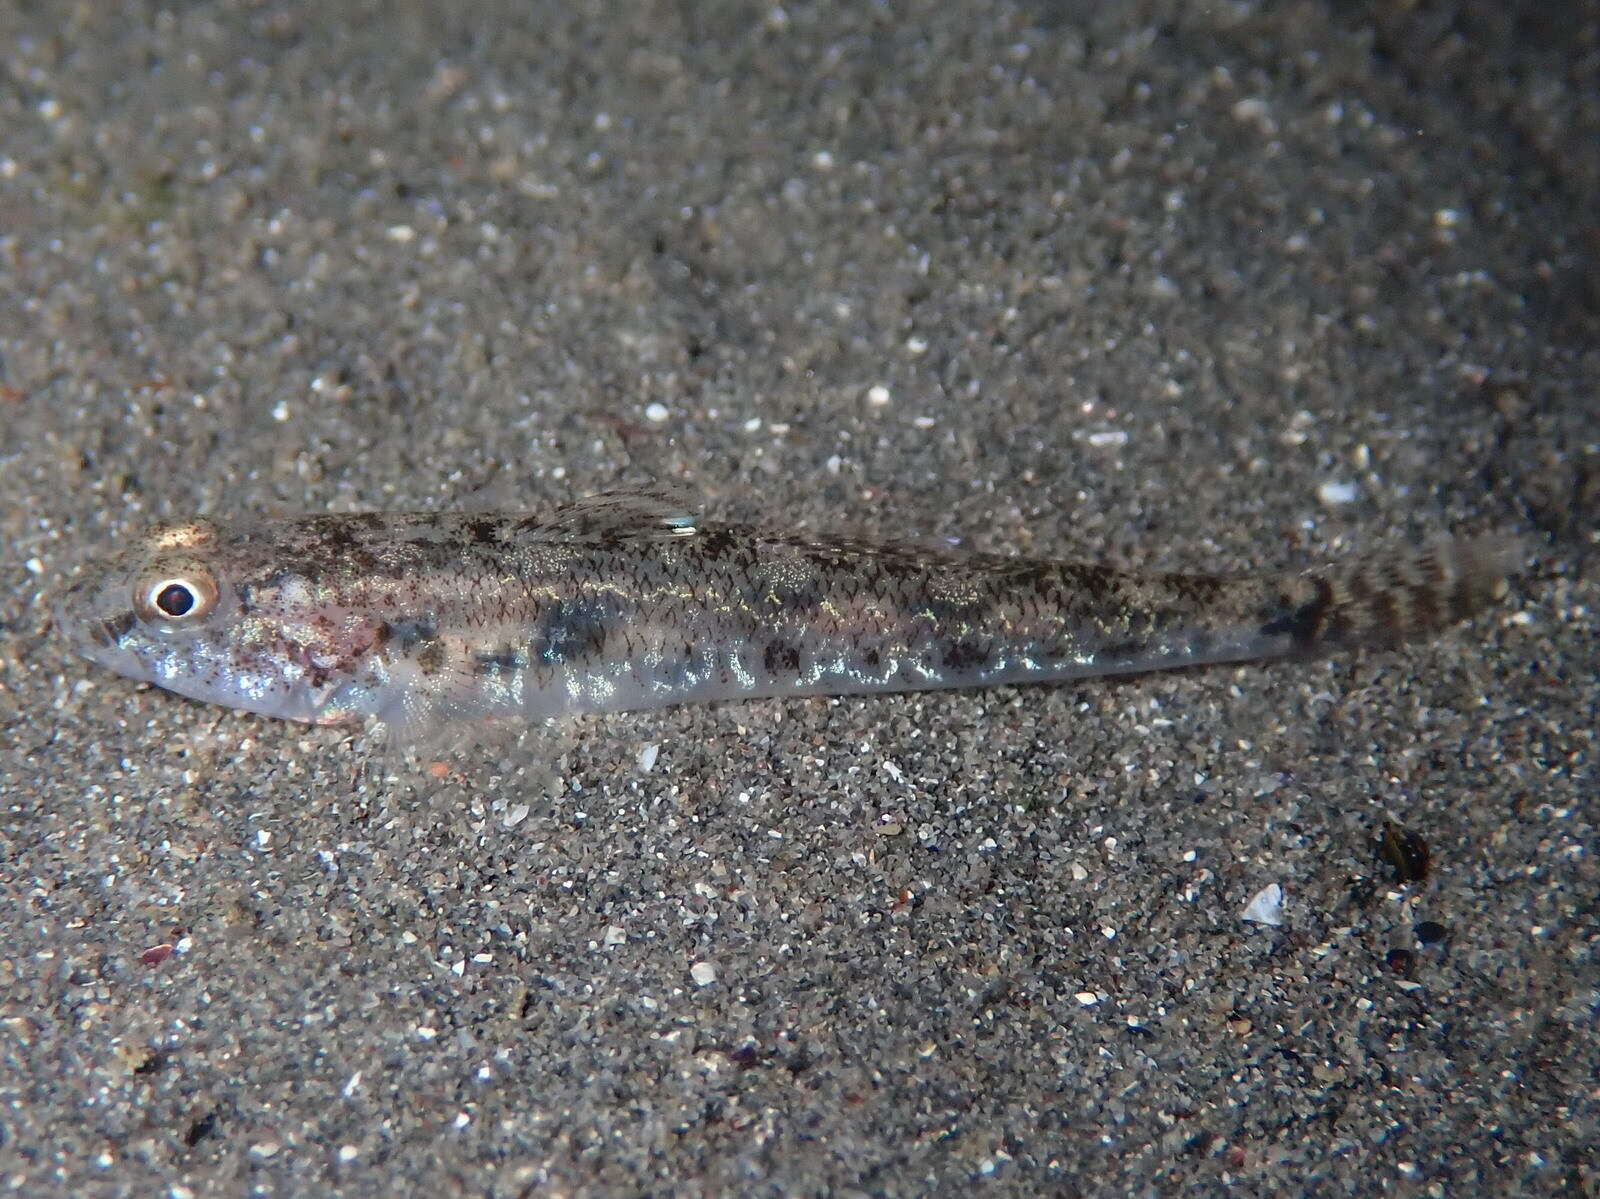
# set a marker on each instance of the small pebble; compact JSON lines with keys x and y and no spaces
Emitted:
{"x":1108,"y":439}
{"x":1336,"y":492}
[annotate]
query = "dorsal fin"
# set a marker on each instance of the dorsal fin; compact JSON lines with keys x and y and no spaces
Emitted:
{"x":632,"y":513}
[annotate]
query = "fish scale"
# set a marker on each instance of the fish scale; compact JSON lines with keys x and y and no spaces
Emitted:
{"x":624,"y":601}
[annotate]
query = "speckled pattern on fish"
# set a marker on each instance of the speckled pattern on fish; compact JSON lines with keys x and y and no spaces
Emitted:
{"x":623,"y":601}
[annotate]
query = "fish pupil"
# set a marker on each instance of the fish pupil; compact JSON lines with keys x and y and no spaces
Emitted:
{"x":175,"y":600}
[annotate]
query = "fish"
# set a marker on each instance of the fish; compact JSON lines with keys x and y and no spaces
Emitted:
{"x":624,"y":600}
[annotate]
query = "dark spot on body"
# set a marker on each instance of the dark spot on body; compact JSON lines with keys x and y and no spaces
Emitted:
{"x":483,"y":530}
{"x":716,"y":541}
{"x":1307,"y":623}
{"x":965,"y":655}
{"x":1197,"y":589}
{"x":1131,"y":647}
{"x":340,"y":534}
{"x":330,"y":546}
{"x":407,"y":635}
{"x":871,"y":659}
{"x":432,"y":657}
{"x":495,"y":662}
{"x":571,"y":629}
{"x":781,"y":658}
{"x":1046,"y":579}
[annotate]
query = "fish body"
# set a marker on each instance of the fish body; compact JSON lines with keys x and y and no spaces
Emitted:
{"x":621,"y":602}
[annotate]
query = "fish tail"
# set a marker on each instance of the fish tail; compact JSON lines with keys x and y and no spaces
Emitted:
{"x":1383,"y":601}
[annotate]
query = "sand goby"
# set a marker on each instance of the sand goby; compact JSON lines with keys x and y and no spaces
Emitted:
{"x":623,"y":601}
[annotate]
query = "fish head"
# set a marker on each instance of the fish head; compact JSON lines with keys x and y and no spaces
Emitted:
{"x":221,"y":616}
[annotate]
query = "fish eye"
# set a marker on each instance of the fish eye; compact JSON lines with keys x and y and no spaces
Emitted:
{"x":177,"y":599}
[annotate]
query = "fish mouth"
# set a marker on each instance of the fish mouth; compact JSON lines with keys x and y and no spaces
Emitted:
{"x":78,"y":617}
{"x":97,"y":636}
{"x":98,"y":641}
{"x":106,"y":634}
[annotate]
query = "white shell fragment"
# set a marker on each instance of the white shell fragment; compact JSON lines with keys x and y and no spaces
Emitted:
{"x":1266,"y":907}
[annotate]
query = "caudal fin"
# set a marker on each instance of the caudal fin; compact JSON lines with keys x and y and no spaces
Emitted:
{"x":1384,"y":601}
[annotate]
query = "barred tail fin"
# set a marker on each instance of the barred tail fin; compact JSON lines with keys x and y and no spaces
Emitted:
{"x":1384,"y":601}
